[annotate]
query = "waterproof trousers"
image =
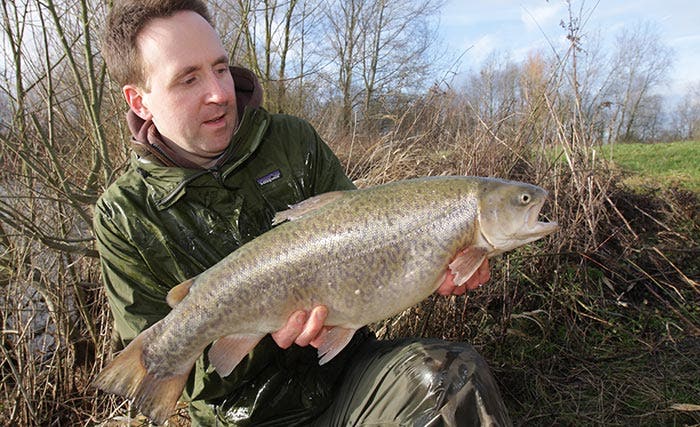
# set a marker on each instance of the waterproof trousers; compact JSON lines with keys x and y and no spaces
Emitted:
{"x":417,"y":383}
{"x":408,"y":382}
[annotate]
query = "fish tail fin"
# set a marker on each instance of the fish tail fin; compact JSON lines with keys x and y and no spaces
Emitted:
{"x":127,"y":376}
{"x":125,"y":373}
{"x":157,"y":397}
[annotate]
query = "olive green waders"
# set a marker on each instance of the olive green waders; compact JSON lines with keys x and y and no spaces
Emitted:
{"x":410,"y":383}
{"x":417,"y":383}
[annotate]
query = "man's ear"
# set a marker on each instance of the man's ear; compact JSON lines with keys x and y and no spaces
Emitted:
{"x":134,"y":98}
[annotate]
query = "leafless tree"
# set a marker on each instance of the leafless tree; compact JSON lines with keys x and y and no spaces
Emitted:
{"x":640,"y":65}
{"x":685,"y":119}
{"x":378,"y":48}
{"x":272,"y":39}
{"x":57,"y":157}
{"x":493,"y":92}
{"x":397,"y":49}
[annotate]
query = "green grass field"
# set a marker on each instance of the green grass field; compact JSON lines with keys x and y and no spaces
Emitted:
{"x":662,"y":164}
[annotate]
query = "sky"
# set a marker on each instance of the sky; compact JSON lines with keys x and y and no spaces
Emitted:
{"x":517,"y":27}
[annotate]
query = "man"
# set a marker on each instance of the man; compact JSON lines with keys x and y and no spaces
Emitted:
{"x":209,"y":170}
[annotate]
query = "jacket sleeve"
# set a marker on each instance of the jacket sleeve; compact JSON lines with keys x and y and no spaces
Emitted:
{"x":135,"y":295}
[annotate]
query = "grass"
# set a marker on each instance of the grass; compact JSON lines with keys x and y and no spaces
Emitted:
{"x":661,"y":164}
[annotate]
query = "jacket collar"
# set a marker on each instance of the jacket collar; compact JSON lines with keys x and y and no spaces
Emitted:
{"x":167,"y":184}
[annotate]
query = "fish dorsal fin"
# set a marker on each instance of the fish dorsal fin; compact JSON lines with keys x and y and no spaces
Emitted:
{"x":309,"y":205}
{"x":179,"y":292}
{"x":466,"y":263}
{"x":227,"y":352}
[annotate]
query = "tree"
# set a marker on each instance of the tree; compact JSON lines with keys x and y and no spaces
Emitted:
{"x":395,"y":49}
{"x":272,"y":39}
{"x":344,"y":43}
{"x":640,"y":65}
{"x":56,"y":160}
{"x":493,"y":92}
{"x":379,"y":48}
{"x":685,"y":120}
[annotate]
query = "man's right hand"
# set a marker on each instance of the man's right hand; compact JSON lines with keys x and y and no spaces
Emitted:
{"x":302,"y":328}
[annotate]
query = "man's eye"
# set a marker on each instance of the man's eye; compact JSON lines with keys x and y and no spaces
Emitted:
{"x":189,"y":80}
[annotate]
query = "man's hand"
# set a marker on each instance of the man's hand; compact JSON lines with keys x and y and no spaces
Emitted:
{"x":303,"y":328}
{"x":480,"y":276}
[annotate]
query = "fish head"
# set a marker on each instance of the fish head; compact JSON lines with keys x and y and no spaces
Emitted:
{"x":508,"y":215}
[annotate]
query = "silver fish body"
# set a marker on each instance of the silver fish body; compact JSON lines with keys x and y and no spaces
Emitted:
{"x":364,"y":254}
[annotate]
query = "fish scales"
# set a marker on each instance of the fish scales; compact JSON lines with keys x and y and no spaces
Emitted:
{"x":365,"y":254}
{"x":342,"y":257}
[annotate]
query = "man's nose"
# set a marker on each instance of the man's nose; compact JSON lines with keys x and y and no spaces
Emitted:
{"x":217,"y":90}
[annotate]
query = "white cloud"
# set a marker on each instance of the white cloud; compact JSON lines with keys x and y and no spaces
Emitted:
{"x":540,"y":17}
{"x":482,"y":48}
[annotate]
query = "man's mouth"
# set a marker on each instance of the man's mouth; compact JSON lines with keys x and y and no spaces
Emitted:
{"x":216,"y":120}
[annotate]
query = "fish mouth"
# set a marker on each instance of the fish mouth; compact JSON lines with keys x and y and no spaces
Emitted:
{"x":534,"y":226}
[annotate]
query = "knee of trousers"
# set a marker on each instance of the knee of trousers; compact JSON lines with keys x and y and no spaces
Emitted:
{"x":448,"y":365}
{"x":461,"y":382}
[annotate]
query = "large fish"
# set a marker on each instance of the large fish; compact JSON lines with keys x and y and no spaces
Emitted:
{"x":365,"y":254}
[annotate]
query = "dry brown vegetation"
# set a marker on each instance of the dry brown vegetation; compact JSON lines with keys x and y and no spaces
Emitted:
{"x":598,"y":324}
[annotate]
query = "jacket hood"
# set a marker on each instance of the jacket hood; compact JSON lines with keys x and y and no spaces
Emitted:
{"x":147,"y":142}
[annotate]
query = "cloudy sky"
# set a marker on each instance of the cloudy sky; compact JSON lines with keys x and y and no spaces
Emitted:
{"x":516,"y":27}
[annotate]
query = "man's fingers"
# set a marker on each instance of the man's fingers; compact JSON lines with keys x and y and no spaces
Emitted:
{"x":447,"y":285}
{"x":459,"y":290}
{"x":485,"y":271}
{"x":290,"y":331}
{"x":313,"y":327}
{"x":316,"y":342}
{"x":480,"y":276}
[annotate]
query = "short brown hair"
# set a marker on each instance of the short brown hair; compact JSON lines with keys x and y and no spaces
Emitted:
{"x":125,"y":21}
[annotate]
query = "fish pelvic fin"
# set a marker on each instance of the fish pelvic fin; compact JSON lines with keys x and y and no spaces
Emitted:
{"x":179,"y":292}
{"x":466,"y":263}
{"x":127,"y":376}
{"x":333,"y":342}
{"x":227,"y":352}
{"x":309,"y":205}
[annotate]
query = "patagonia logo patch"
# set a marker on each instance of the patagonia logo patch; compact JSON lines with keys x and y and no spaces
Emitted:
{"x":270,"y":177}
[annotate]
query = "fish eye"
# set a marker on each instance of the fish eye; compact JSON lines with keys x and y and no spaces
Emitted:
{"x":525,"y":198}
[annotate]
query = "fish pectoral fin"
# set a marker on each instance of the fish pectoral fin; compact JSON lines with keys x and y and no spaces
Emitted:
{"x":466,"y":263}
{"x":227,"y":352}
{"x":305,"y":206}
{"x":179,"y":292}
{"x":333,"y":342}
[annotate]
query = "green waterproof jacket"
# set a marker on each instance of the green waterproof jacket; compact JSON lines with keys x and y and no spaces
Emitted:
{"x":159,"y":225}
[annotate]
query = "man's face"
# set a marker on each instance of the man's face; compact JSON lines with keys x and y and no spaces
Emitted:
{"x":190,"y":95}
